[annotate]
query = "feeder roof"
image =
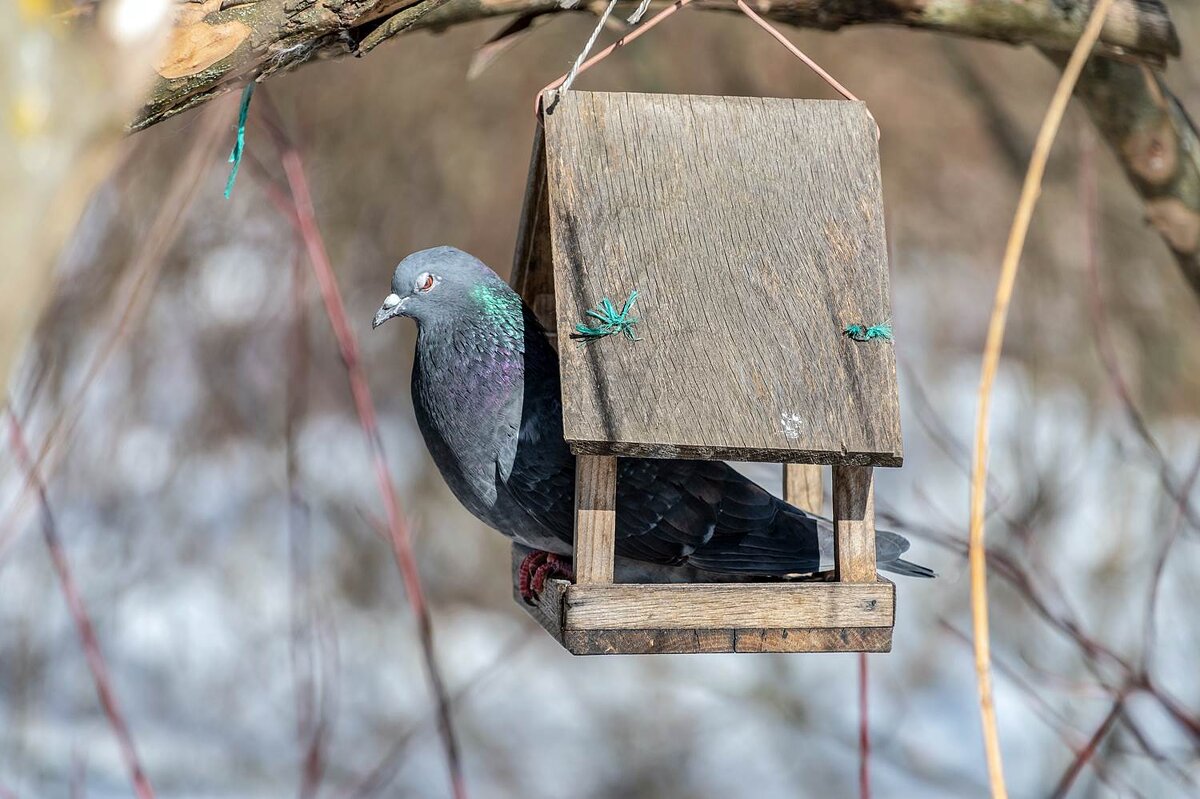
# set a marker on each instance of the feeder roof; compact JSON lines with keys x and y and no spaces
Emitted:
{"x":753,"y":230}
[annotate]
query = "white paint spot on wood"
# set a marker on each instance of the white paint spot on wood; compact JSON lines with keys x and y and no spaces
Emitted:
{"x":793,"y":425}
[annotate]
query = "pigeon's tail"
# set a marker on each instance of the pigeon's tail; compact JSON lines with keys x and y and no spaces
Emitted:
{"x":786,"y":540}
{"x":908,"y":568}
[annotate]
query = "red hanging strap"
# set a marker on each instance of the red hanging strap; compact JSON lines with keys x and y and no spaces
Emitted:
{"x":794,"y":50}
{"x":668,"y":11}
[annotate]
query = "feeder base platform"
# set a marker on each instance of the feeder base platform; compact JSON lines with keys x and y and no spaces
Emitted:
{"x":681,"y":618}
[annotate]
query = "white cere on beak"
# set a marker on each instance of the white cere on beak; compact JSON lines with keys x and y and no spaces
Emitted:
{"x":391,"y":301}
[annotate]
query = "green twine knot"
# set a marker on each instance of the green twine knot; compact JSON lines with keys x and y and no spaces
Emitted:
{"x":610,"y":321}
{"x":864,"y":333}
{"x":235,"y":157}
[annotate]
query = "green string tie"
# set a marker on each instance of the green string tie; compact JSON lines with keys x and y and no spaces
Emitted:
{"x":239,"y":145}
{"x":864,"y":333}
{"x":610,"y":321}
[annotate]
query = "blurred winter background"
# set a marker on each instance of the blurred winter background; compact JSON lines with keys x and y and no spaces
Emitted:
{"x":255,"y":637}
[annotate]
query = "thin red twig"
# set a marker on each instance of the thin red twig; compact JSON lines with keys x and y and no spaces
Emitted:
{"x":1050,"y":716}
{"x":379,"y":778}
{"x":794,"y":50}
{"x":312,"y":691}
{"x":398,"y":530}
{"x":83,"y":623}
{"x":143,"y":275}
{"x":1160,"y":565}
{"x":607,"y":51}
{"x":1085,"y":754}
{"x":671,"y":9}
{"x":1100,"y":327}
{"x":78,"y":776}
{"x":1064,"y":621}
{"x":864,"y":730}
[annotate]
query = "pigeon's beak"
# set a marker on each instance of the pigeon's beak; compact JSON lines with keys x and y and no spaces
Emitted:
{"x":392,"y":306}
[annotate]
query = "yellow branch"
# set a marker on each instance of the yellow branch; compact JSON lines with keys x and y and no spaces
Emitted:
{"x":991,"y":359}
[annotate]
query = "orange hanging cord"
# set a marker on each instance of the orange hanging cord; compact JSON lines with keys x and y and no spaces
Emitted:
{"x":662,"y":15}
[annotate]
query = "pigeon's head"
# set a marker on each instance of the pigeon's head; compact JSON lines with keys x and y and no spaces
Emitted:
{"x":441,"y":284}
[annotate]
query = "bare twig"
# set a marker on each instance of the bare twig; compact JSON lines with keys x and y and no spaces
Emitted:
{"x":1100,"y":327}
{"x":991,"y":360}
{"x":1049,"y":715}
{"x":83,"y":622}
{"x":864,"y":730}
{"x":384,"y":771}
{"x":1085,"y":754}
{"x":310,"y":233}
{"x":794,"y":50}
{"x":312,"y":687}
{"x":1131,"y":680}
{"x":295,"y":33}
{"x":142,"y":277}
{"x":1160,"y":566}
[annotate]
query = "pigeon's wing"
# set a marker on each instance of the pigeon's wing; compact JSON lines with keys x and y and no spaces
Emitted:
{"x":663,"y":514}
{"x":535,"y":467}
{"x":700,"y":513}
{"x":708,"y":515}
{"x":666,"y":510}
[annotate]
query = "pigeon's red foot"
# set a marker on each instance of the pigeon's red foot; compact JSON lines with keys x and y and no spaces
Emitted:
{"x":536,"y":568}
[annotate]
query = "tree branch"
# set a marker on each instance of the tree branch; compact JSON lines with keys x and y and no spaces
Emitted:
{"x":1158,"y":146}
{"x":219,"y":44}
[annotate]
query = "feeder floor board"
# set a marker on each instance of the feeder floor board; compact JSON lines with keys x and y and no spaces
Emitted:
{"x":639,"y":619}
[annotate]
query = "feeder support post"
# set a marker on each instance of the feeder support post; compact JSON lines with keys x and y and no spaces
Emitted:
{"x":595,"y":519}
{"x":802,"y":486}
{"x":854,"y":524}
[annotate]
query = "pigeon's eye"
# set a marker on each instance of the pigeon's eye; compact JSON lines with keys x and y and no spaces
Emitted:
{"x":425,"y":282}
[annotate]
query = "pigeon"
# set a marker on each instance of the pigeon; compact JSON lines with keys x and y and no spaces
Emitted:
{"x":487,"y":398}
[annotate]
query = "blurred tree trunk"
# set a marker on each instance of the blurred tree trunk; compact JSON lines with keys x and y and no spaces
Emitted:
{"x":67,"y":91}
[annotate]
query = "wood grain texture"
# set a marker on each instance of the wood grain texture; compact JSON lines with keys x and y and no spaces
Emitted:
{"x":802,"y":486}
{"x":854,"y":524}
{"x":533,"y":270}
{"x":595,"y":519}
{"x":691,"y":632}
{"x":688,"y":642}
{"x":753,"y":229}
{"x":728,"y":605}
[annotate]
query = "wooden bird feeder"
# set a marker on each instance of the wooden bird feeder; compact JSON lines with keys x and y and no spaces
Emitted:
{"x":753,"y":229}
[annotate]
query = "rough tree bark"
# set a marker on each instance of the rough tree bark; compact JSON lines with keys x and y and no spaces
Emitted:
{"x":219,"y":44}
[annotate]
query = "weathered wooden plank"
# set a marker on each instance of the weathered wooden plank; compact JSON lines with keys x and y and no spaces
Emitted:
{"x":533,"y":270}
{"x":854,"y":524}
{"x":728,"y":605}
{"x":595,"y":519}
{"x":690,"y":631}
{"x":821,"y":639}
{"x":686,"y":642}
{"x":753,"y":229}
{"x":647,"y":642}
{"x":802,"y":486}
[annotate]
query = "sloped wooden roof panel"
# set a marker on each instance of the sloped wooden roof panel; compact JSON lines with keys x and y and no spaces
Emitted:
{"x":753,"y":229}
